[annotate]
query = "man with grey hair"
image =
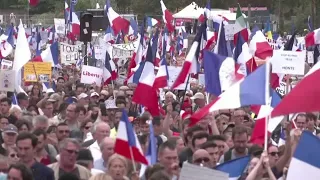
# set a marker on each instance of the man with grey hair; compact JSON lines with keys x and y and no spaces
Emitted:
{"x":40,"y":122}
{"x":99,"y":131}
{"x":69,"y":150}
{"x":107,"y":149}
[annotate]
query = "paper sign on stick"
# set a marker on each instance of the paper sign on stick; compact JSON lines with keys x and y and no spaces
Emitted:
{"x":7,"y":80}
{"x":288,"y":62}
{"x":90,"y":75}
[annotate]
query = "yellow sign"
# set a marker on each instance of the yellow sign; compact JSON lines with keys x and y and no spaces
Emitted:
{"x":37,"y":71}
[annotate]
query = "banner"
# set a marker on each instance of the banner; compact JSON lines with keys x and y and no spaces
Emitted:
{"x":288,"y":62}
{"x":99,"y":52}
{"x":60,"y":26}
{"x":124,"y":50}
{"x":90,"y":75}
{"x":70,"y":53}
{"x":7,"y":80}
{"x":6,"y":64}
{"x":37,"y":71}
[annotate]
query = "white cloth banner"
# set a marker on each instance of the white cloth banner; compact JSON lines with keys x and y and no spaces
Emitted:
{"x":288,"y":62}
{"x":90,"y":75}
{"x":70,"y":53}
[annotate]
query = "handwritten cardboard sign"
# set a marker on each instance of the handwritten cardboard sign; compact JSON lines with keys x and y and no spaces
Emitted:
{"x":288,"y":62}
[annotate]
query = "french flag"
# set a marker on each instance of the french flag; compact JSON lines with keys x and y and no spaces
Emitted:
{"x":151,"y":154}
{"x":127,"y":143}
{"x":109,"y":69}
{"x":7,"y":43}
{"x":313,"y":38}
{"x":33,"y":2}
{"x":138,"y":53}
{"x":38,"y":40}
{"x":152,"y":22}
{"x":221,"y":46}
{"x":52,"y":35}
{"x":66,"y":12}
{"x":109,"y":35}
{"x":74,"y":23}
{"x":216,"y":68}
{"x":51,"y":54}
{"x":191,"y":64}
{"x":117,"y":23}
{"x":245,"y":63}
{"x":259,"y":45}
{"x":235,"y":167}
{"x":162,"y":77}
{"x":145,"y":94}
{"x":250,"y":90}
{"x":305,"y":163}
{"x":167,"y":17}
{"x":133,"y":28}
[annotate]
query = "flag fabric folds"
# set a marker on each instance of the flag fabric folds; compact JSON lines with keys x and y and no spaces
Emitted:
{"x":215,"y":69}
{"x":250,"y":90}
{"x":167,"y":17}
{"x":259,"y":45}
{"x":313,"y":38}
{"x":116,"y":22}
{"x":51,"y":54}
{"x":145,"y":94}
{"x":235,"y":167}
{"x":305,"y":163}
{"x":127,"y":143}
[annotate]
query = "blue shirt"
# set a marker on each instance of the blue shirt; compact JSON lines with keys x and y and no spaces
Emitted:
{"x":41,"y":172}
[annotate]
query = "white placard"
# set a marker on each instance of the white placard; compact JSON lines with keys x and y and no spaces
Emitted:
{"x":192,"y":172}
{"x":229,"y":31}
{"x":70,"y":53}
{"x":173,"y":74}
{"x":201,"y":79}
{"x":310,"y":58}
{"x":120,"y":53}
{"x":99,"y":53}
{"x":90,"y":75}
{"x":288,"y":62}
{"x":128,"y":47}
{"x":6,"y":64}
{"x":282,"y":88}
{"x":7,"y":80}
{"x":60,"y":26}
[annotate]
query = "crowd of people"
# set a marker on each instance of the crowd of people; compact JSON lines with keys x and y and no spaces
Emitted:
{"x":70,"y":133}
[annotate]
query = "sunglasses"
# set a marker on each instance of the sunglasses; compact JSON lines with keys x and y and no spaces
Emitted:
{"x":87,"y":127}
{"x":274,"y":153}
{"x":72,"y":151}
{"x":200,"y":160}
{"x":14,"y":155}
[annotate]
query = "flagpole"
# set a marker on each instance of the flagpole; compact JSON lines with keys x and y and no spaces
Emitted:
{"x":132,"y":159}
{"x":267,"y":99}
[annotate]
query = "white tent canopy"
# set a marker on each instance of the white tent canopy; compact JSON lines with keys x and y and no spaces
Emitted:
{"x":192,"y":11}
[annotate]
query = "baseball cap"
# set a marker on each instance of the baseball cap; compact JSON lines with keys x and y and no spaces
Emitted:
{"x":22,"y":96}
{"x":10,"y":129}
{"x":94,"y":94}
{"x":82,"y":96}
{"x":198,"y":95}
{"x":54,"y":97}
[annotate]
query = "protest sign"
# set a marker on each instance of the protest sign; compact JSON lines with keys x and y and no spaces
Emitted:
{"x":100,"y":52}
{"x":310,"y":57}
{"x":288,"y":62}
{"x":124,"y":50}
{"x":230,"y":30}
{"x":60,"y":26}
{"x":282,"y":88}
{"x":37,"y":71}
{"x":7,"y":80}
{"x":6,"y":64}
{"x":173,"y":74}
{"x":70,"y":53}
{"x":90,"y":75}
{"x":192,"y":172}
{"x":201,"y":79}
